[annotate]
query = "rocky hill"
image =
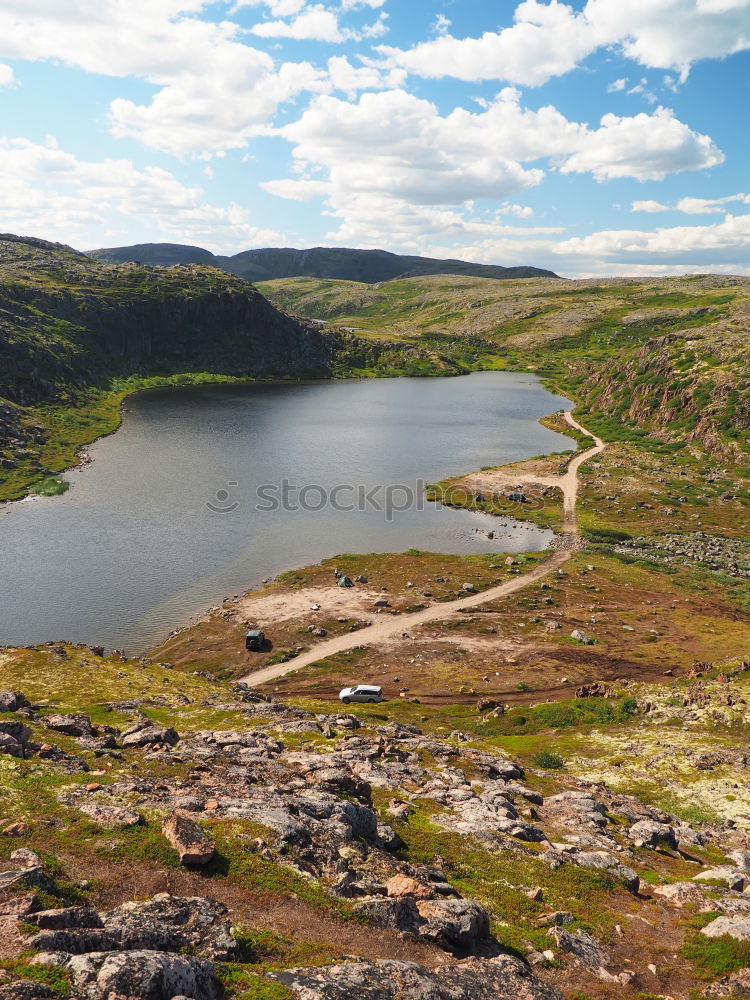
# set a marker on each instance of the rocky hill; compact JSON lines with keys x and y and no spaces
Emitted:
{"x":69,"y":322}
{"x":368,"y":266}
{"x":165,"y":834}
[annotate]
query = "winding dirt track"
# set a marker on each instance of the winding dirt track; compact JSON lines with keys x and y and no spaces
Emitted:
{"x":385,"y":628}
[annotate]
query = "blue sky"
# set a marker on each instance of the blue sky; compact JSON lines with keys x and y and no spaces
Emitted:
{"x":595,"y":138}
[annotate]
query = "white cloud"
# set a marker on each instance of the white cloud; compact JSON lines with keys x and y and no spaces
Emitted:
{"x":647,"y":147}
{"x":277,"y":8}
{"x":393,"y":171}
{"x":548,"y":40}
{"x":6,"y":75}
{"x":391,"y":162}
{"x":708,"y":206}
{"x":440,"y":25}
{"x":692,"y":206}
{"x":357,"y":4}
{"x":723,"y":242}
{"x":617,"y":85}
{"x":297,"y":190}
{"x":720,"y":248}
{"x":213,"y":91}
{"x":350,"y":79}
{"x":78,"y":199}
{"x":649,"y":206}
{"x":317,"y":23}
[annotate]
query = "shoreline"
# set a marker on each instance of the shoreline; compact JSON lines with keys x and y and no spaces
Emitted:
{"x":85,"y":458}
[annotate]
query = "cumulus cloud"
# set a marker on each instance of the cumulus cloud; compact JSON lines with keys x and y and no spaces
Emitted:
{"x":345,"y":77}
{"x":723,"y":242}
{"x":6,"y":75}
{"x":318,"y":23}
{"x":647,"y":147}
{"x":213,"y":91}
{"x":692,"y":206}
{"x":386,"y":159}
{"x":549,"y":39}
{"x":709,"y":206}
{"x":723,"y":247}
{"x":651,"y":207}
{"x":277,"y":8}
{"x":80,"y":199}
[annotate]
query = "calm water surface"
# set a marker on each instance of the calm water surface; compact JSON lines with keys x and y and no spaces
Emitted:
{"x":166,"y":521}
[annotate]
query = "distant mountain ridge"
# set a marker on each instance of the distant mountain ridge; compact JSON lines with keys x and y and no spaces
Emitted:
{"x":339,"y":263}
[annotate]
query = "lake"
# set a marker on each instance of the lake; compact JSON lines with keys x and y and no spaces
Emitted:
{"x":206,"y":491}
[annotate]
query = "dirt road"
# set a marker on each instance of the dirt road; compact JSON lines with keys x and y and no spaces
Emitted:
{"x":384,"y":628}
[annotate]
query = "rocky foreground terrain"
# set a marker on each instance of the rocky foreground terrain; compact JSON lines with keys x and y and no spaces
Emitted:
{"x":193,"y":838}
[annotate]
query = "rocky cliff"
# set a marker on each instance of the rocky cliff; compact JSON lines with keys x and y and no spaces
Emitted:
{"x":68,"y":321}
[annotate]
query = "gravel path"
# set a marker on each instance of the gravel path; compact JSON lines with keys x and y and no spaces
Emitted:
{"x":386,"y":627}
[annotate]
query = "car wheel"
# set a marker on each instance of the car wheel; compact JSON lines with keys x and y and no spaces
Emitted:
{"x":346,"y":701}
{"x":373,"y":701}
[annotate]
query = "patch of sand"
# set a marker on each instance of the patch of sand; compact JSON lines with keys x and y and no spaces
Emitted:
{"x":267,"y":609}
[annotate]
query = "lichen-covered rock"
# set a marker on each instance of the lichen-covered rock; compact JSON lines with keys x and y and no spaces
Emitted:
{"x":113,"y":817}
{"x":733,"y":986}
{"x":730,"y":876}
{"x":455,"y":924}
{"x":404,"y":885}
{"x":735,"y":927}
{"x":147,"y":975}
{"x":9,"y":745}
{"x":584,"y":948}
{"x":649,"y":833}
{"x":164,"y":923}
{"x":501,"y":978}
{"x":146,"y":734}
{"x":26,"y":989}
{"x":189,"y":839}
{"x":71,"y":725}
{"x":681,"y":894}
{"x":19,"y":731}
{"x":11,"y":701}
{"x":65,"y":918}
{"x":741,"y":859}
{"x":173,"y":923}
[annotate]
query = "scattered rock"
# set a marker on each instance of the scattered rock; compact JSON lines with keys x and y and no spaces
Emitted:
{"x":501,"y":978}
{"x":113,"y":817}
{"x":734,"y":927}
{"x":144,"y":734}
{"x":11,"y":701}
{"x":189,"y":839}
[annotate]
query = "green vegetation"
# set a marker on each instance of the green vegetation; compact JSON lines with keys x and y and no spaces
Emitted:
{"x":714,"y":956}
{"x":548,"y":760}
{"x":52,"y":487}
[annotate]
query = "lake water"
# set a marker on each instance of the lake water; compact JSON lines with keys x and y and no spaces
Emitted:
{"x":185,"y":504}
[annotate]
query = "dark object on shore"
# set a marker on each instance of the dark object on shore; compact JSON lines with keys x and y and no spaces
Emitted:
{"x":255,"y":640}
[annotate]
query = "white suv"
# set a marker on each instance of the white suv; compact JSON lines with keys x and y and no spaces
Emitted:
{"x":361,"y":692}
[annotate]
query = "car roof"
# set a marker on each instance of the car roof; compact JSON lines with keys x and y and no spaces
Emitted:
{"x":365,"y":687}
